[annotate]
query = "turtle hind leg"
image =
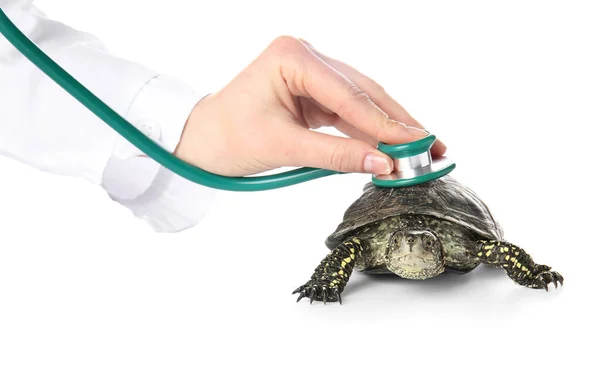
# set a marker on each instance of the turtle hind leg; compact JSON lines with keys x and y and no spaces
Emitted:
{"x":518,"y":264}
{"x":331,"y":276}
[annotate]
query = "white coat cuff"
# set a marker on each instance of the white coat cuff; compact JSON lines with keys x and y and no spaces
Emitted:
{"x":168,"y":202}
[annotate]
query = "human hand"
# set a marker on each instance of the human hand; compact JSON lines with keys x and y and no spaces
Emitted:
{"x":266,"y":116}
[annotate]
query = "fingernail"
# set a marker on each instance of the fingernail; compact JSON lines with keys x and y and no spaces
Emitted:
{"x":378,"y":165}
{"x":442,"y":144}
{"x":417,"y":132}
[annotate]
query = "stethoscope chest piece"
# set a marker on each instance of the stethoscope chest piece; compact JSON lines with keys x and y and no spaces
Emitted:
{"x":413,"y":164}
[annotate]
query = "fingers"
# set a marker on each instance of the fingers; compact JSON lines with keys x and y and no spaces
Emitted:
{"x":377,"y":94}
{"x":314,"y":149}
{"x":352,"y":131}
{"x":317,"y":116}
{"x":308,"y":75}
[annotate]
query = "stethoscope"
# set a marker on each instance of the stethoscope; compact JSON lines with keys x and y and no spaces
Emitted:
{"x":413,"y":163}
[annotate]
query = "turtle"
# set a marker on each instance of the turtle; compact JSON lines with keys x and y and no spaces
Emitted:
{"x":418,"y":232}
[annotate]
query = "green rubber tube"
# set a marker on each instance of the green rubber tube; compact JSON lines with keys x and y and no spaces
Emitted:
{"x":140,"y":140}
{"x":407,"y":149}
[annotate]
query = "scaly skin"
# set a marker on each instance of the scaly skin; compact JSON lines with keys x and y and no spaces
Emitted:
{"x":518,"y":264}
{"x":333,"y":273}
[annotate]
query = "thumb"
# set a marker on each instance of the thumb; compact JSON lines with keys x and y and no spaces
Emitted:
{"x":314,"y":149}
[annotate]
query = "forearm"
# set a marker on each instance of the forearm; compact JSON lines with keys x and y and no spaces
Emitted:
{"x":45,"y":127}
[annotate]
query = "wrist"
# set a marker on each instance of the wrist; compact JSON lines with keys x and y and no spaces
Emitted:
{"x":193,"y":136}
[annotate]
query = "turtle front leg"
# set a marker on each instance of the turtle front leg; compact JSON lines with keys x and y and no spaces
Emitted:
{"x":518,"y":264}
{"x":333,"y":273}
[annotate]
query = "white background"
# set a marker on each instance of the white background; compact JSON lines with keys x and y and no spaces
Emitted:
{"x":513,"y":90}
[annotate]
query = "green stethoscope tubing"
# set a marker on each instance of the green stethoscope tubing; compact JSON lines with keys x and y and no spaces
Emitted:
{"x":180,"y":167}
{"x":140,"y":140}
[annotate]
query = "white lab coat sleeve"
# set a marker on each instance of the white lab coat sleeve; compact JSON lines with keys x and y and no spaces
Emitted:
{"x":43,"y":126}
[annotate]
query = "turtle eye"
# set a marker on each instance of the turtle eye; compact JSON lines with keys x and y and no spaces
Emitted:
{"x":428,"y":244}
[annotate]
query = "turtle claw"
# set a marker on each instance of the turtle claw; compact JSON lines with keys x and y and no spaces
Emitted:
{"x":560,"y":279}
{"x":546,"y":277}
{"x":338,"y":295}
{"x":314,"y":291}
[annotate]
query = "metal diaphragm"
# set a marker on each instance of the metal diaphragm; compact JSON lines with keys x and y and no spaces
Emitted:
{"x":413,"y":164}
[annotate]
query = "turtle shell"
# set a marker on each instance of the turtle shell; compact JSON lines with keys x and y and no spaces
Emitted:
{"x":444,"y":198}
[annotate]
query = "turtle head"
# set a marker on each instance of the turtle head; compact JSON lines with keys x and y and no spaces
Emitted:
{"x":414,"y":254}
